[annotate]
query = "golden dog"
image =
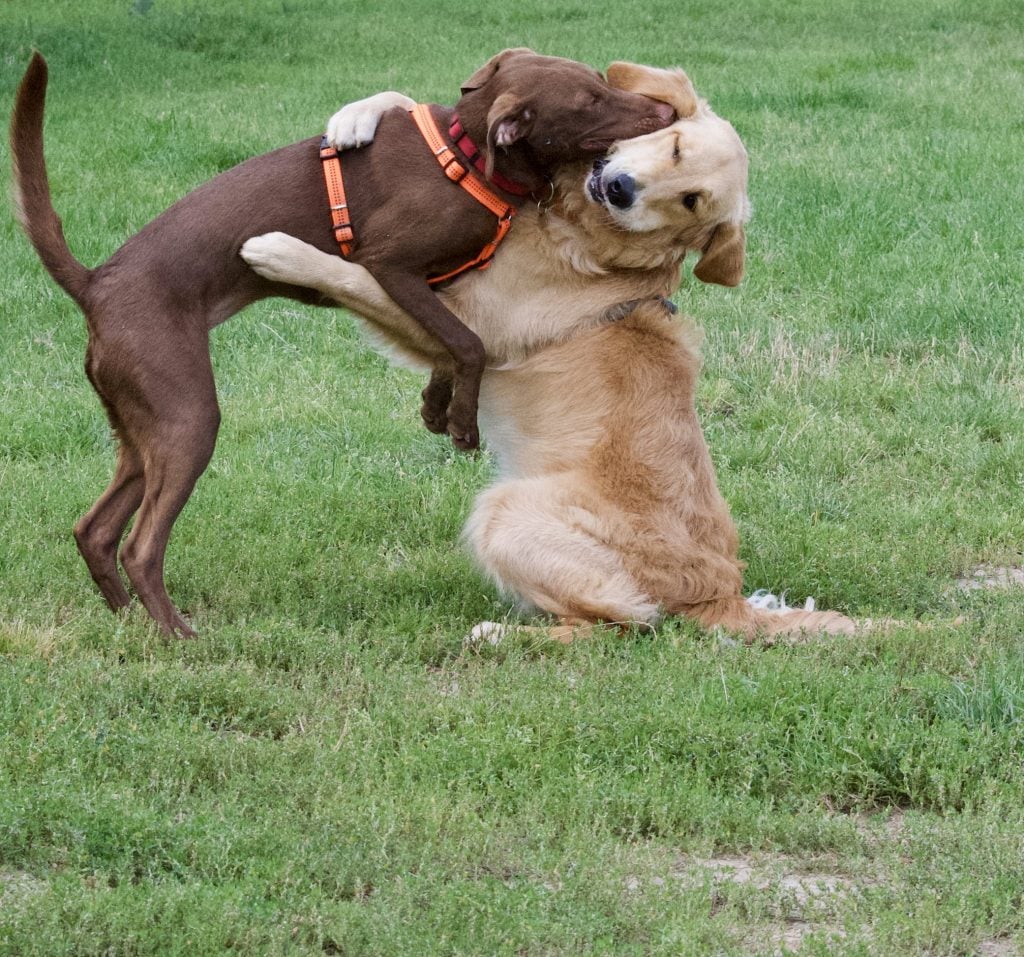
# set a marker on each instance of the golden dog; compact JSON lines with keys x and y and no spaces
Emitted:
{"x":607,"y":507}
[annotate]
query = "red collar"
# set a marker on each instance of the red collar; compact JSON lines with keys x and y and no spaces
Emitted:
{"x":468,"y":147}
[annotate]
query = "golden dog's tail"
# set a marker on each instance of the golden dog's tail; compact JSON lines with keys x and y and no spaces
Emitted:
{"x":738,"y":616}
{"x":33,"y":205}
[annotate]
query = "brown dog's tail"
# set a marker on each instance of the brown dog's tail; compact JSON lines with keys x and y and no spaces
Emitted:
{"x":33,"y":205}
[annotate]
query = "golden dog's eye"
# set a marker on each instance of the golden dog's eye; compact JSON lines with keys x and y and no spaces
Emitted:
{"x":690,"y":200}
{"x":676,"y":153}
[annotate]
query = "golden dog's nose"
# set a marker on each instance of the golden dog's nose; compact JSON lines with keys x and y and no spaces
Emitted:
{"x":621,"y":191}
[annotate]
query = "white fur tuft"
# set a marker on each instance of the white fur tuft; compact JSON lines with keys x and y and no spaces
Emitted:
{"x":767,"y":601}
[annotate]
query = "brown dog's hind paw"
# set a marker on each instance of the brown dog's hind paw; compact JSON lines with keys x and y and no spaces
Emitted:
{"x":178,"y":628}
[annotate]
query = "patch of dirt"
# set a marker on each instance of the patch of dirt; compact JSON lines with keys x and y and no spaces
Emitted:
{"x":17,"y":887}
{"x":777,"y":902}
{"x":799,"y":892}
{"x":448,"y":686}
{"x":876,"y":829}
{"x":796,"y":899}
{"x":998,"y":947}
{"x":985,"y":577}
{"x":788,"y":937}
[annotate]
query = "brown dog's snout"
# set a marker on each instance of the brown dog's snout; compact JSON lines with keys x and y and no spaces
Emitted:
{"x":638,"y":115}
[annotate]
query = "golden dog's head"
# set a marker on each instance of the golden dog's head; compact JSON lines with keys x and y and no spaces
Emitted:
{"x":686,"y":183}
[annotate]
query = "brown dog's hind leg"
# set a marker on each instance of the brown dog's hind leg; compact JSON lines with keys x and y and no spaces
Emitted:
{"x":99,"y":531}
{"x":173,"y":466}
{"x":173,"y":420}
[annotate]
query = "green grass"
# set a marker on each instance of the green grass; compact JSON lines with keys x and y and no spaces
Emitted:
{"x":328,"y":770}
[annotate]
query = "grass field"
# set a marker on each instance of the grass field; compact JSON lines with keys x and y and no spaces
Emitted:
{"x":329,"y":770}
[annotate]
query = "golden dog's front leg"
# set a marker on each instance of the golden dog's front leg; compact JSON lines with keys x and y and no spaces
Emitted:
{"x":565,"y":632}
{"x":280,"y":257}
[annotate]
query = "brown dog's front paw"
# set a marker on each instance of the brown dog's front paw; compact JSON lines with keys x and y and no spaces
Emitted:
{"x":462,"y":425}
{"x":435,"y":419}
{"x":465,"y":438}
{"x":436,"y":397}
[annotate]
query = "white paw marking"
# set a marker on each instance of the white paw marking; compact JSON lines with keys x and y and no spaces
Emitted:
{"x":490,"y":631}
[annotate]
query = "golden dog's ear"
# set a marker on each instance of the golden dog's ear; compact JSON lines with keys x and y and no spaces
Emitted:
{"x":508,"y":120}
{"x":724,"y":256}
{"x":490,"y":68}
{"x":665,"y":86}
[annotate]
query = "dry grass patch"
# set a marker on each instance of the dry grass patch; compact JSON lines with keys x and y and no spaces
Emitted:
{"x":18,"y":888}
{"x":984,"y":577}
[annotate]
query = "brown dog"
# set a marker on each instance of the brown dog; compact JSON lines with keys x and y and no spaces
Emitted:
{"x":151,"y":306}
{"x":607,"y":508}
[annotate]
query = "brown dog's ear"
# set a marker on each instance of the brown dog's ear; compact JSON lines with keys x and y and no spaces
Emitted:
{"x":665,"y":86}
{"x":724,"y":256}
{"x":508,"y":120}
{"x":487,"y":71}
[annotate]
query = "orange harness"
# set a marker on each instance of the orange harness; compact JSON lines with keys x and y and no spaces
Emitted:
{"x":453,"y":169}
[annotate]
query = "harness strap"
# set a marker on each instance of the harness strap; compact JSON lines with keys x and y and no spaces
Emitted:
{"x":458,"y":173}
{"x":336,"y":197}
{"x":454,"y":170}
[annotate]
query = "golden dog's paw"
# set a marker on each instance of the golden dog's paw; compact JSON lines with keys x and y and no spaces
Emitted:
{"x":281,"y":258}
{"x":487,"y":632}
{"x":355,"y":124}
{"x":269,"y":254}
